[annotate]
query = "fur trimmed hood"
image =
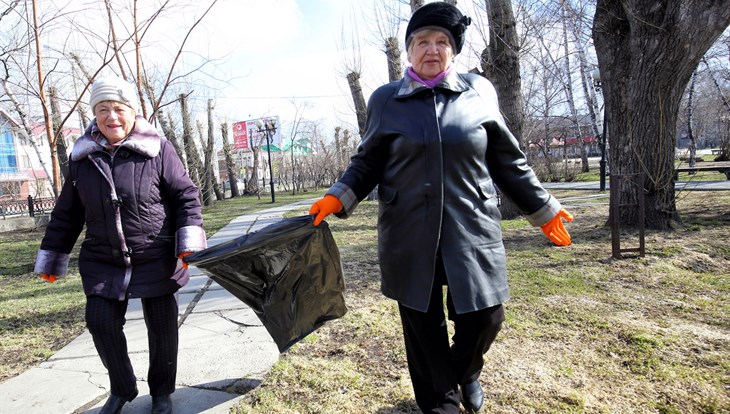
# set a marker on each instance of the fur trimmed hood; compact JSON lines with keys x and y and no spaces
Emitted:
{"x":144,"y":139}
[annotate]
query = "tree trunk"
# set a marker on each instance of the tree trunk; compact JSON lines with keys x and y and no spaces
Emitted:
{"x":501,"y":64}
{"x":647,"y":52}
{"x":230,"y":164}
{"x":353,"y":79}
{"x":210,"y":157}
{"x":392,"y":52}
{"x":61,"y":149}
{"x":252,"y":187}
{"x":690,"y":133}
{"x":56,"y":175}
{"x":205,"y":168}
{"x":169,"y":130}
{"x":191,"y":150}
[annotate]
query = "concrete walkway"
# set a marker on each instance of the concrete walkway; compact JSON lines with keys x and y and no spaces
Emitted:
{"x":224,"y":351}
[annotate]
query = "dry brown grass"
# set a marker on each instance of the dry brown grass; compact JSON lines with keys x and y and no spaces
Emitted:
{"x":584,"y":333}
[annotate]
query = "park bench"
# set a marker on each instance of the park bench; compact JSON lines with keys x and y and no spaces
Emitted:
{"x":719,"y":166}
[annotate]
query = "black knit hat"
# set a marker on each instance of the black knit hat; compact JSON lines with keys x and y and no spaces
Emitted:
{"x":439,"y":15}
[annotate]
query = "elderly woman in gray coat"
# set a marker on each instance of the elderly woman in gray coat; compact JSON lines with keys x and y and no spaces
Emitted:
{"x":128,"y":187}
{"x":436,"y":145}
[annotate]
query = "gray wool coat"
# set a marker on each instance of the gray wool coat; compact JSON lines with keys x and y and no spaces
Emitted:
{"x":436,"y":156}
{"x":140,"y":210}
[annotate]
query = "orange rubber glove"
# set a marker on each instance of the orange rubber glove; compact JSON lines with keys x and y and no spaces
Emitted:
{"x":555,"y":230}
{"x":49,"y":278}
{"x":324,"y":207}
{"x":182,"y":258}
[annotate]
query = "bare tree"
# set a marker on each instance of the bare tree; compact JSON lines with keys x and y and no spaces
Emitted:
{"x":647,"y":52}
{"x":353,"y":80}
{"x":352,"y":68}
{"x":57,"y":132}
{"x":230,"y":164}
{"x":500,"y":63}
{"x":210,"y":156}
{"x":207,"y":165}
{"x":569,"y":87}
{"x":191,"y":150}
{"x":690,"y":135}
{"x":168,"y":128}
{"x":387,"y":20}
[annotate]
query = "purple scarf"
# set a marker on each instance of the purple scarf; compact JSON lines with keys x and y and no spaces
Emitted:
{"x":430,"y":83}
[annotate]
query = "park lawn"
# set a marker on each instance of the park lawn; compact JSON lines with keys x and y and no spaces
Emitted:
{"x":585,"y":333}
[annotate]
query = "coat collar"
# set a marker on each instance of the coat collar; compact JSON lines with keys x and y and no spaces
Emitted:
{"x":144,"y":139}
{"x":452,"y":82}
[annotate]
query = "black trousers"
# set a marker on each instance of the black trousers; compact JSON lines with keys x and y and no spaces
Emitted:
{"x":437,"y":367}
{"x":105,"y":321}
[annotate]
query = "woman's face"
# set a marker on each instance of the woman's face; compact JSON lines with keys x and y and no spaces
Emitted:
{"x":114,"y":119}
{"x":430,"y":53}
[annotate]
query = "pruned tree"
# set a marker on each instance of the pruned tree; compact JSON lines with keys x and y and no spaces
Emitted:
{"x":351,"y":69}
{"x":230,"y":164}
{"x":57,"y":132}
{"x":387,"y":21}
{"x":168,"y":128}
{"x":647,"y":52}
{"x":192,"y":156}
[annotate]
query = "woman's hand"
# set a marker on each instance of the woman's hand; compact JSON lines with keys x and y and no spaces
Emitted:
{"x":324,"y":207}
{"x":182,"y":258}
{"x":555,"y":230}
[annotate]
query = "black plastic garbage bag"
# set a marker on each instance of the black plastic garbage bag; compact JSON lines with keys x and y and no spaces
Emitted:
{"x":289,"y":273}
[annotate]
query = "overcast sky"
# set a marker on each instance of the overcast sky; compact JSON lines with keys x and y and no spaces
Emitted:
{"x":283,"y":50}
{"x":279,"y":51}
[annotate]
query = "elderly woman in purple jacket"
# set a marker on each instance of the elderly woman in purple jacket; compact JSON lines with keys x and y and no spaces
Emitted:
{"x":128,"y":187}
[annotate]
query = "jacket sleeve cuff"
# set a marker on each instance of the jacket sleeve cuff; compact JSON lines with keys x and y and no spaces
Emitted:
{"x":544,"y":213}
{"x":347,"y":198}
{"x":190,"y":239}
{"x":51,"y":263}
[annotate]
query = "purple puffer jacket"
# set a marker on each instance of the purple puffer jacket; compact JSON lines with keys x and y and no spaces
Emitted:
{"x":140,"y":208}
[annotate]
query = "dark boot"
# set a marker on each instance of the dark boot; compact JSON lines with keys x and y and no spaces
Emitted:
{"x":472,"y":396}
{"x":162,"y":404}
{"x":114,"y":403}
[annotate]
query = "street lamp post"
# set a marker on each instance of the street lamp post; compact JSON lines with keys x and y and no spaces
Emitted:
{"x":268,"y":128}
{"x":597,"y":84}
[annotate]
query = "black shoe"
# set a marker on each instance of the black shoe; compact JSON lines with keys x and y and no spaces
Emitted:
{"x":162,"y":404}
{"x":472,"y":396}
{"x":114,"y":403}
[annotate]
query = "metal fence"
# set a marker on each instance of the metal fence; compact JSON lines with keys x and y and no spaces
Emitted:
{"x":31,"y":207}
